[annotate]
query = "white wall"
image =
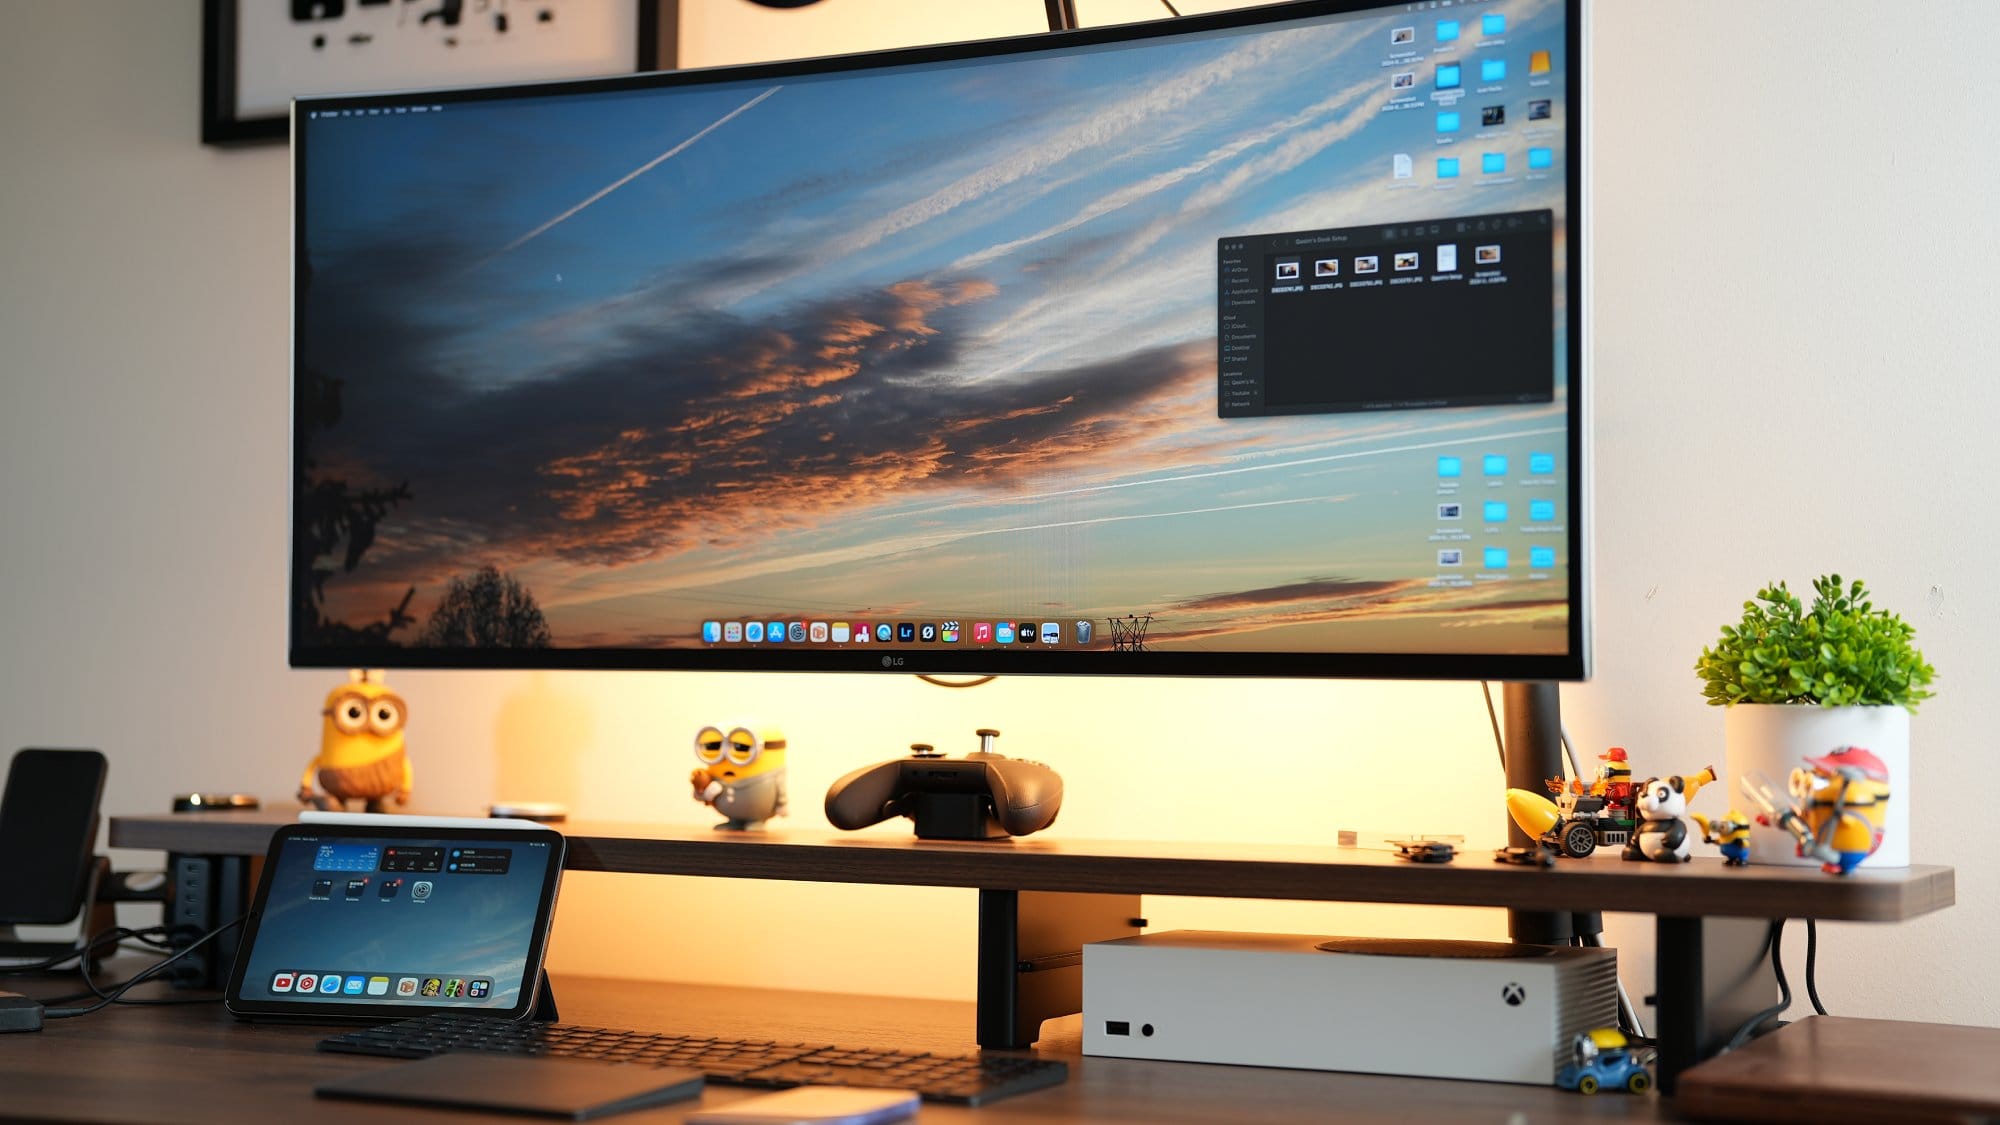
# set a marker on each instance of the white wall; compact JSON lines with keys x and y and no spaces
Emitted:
{"x":1794,"y":323}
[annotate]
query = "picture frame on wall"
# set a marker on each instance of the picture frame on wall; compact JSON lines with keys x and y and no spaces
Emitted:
{"x":259,"y":54}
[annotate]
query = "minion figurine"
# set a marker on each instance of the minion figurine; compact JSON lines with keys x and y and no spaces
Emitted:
{"x":742,"y":775}
{"x":1844,"y":800}
{"x":360,"y":747}
{"x":1731,"y":833}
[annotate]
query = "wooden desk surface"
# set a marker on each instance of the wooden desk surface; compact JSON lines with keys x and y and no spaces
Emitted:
{"x":195,"y":1064}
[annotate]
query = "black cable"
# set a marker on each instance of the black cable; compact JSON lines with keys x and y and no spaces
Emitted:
{"x":1812,"y":955}
{"x":1774,"y":945}
{"x":1492,"y":716}
{"x":1175,"y":12}
{"x":112,"y":991}
{"x":143,"y":975}
{"x":111,"y":936}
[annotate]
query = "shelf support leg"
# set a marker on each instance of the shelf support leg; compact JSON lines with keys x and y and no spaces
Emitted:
{"x":1031,"y":956}
{"x":1711,"y":976}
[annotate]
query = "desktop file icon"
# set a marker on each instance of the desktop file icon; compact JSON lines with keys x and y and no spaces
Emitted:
{"x":1493,"y":24}
{"x":1492,"y":163}
{"x":1447,"y":167}
{"x":1541,"y":158}
{"x":1448,"y":121}
{"x":1494,"y":464}
{"x":1493,"y":70}
{"x":1542,"y":511}
{"x":1495,"y":511}
{"x":1449,"y":76}
{"x":1447,"y":30}
{"x":1542,"y":558}
{"x":1496,"y":558}
{"x":1450,"y":467}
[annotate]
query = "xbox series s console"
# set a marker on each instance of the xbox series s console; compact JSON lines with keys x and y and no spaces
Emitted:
{"x":1436,"y":1009}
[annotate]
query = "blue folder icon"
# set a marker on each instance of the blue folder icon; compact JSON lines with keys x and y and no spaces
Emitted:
{"x":1496,"y":511}
{"x":1447,"y":76}
{"x":1449,"y":467}
{"x":1448,"y":122}
{"x":1541,"y":462}
{"x":1541,"y":158}
{"x":1496,"y":558}
{"x":1447,"y":167}
{"x":1541,"y":511}
{"x":1491,"y":70}
{"x":1492,"y":163}
{"x":1447,"y":30}
{"x":1493,"y":24}
{"x":1496,"y":465}
{"x":1541,"y":558}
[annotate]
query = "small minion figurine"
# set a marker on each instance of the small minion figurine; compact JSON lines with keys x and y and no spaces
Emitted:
{"x":360,"y":747}
{"x":1731,"y":833}
{"x":742,"y":774}
{"x":1845,"y":802}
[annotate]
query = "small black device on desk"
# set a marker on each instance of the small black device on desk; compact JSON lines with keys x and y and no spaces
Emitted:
{"x":964,"y":1080}
{"x":48,"y":832}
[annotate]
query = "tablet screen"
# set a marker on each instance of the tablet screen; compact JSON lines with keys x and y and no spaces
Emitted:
{"x":376,"y":921}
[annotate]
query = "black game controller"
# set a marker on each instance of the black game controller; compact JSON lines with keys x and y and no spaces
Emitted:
{"x":982,"y":796}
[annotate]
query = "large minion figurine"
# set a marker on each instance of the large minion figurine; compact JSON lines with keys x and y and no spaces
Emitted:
{"x":1844,"y":800}
{"x":742,"y":774}
{"x":360,"y":747}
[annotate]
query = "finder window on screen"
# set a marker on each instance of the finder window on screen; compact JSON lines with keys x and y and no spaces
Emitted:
{"x":1211,"y":328}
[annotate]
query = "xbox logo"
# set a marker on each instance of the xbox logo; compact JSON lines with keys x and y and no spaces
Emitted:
{"x":1513,"y":994}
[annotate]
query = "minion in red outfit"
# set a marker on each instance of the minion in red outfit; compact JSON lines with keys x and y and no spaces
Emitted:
{"x":1845,"y":801}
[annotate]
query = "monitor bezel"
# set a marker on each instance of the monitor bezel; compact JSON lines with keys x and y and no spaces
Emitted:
{"x":1574,"y":664}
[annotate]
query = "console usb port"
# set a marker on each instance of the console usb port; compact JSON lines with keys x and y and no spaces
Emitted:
{"x":1117,"y":1027}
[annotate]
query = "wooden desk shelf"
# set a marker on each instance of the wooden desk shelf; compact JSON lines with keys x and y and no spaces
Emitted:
{"x":1711,"y":919}
{"x":888,"y":856}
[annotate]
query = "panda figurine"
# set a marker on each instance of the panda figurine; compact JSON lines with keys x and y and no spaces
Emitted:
{"x":1663,"y":828}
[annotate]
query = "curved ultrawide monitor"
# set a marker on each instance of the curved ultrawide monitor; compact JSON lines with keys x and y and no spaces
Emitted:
{"x":1244,"y":344}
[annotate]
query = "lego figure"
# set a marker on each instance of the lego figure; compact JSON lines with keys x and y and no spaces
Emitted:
{"x":1614,"y":783}
{"x":360,"y":747}
{"x":1662,"y":803}
{"x":1731,"y":833}
{"x":1846,"y":799}
{"x":742,"y":775}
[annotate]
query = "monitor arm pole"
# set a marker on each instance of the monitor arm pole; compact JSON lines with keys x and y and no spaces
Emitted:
{"x":1533,"y":738}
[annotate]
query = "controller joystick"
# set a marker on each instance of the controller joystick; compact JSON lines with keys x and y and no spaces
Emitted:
{"x":982,"y":796}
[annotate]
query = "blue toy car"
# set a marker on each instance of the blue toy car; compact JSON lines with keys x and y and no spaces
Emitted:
{"x":1605,"y":1059}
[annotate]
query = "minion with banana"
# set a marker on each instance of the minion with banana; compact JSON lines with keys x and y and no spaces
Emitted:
{"x":741,"y":776}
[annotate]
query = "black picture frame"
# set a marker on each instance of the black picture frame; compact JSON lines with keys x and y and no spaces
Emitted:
{"x":221,"y":56}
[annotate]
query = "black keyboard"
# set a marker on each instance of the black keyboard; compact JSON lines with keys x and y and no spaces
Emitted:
{"x":960,"y":1079}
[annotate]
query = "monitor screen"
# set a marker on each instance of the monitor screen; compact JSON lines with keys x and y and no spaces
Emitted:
{"x":1241,"y":344}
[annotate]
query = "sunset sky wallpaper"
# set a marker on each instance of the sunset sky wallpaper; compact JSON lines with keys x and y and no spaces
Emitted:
{"x":937,"y":341}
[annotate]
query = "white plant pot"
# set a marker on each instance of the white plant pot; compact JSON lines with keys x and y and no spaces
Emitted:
{"x":1773,"y":739}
